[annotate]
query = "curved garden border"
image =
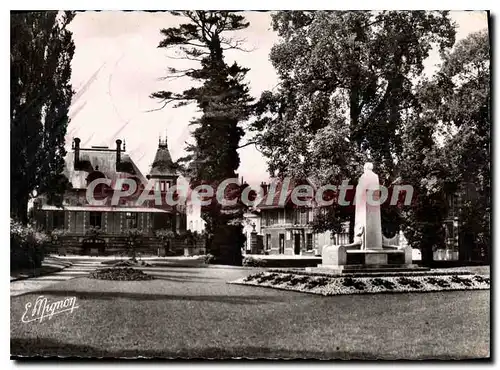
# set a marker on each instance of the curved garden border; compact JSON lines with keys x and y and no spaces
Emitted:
{"x":339,"y":285}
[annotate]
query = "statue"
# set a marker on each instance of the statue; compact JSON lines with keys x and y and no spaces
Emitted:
{"x":369,"y":243}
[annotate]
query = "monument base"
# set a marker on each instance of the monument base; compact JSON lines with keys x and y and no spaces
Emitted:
{"x":348,"y":259}
{"x":364,"y":269}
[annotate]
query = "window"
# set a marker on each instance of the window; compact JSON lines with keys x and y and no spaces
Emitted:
{"x":303,"y":216}
{"x":268,"y":218}
{"x":274,"y":217}
{"x":281,"y":216}
{"x":157,"y":186}
{"x":95,"y":219}
{"x":281,"y":244}
{"x":191,"y":225}
{"x":310,"y":215}
{"x":268,"y":241}
{"x":309,"y":241}
{"x":58,"y":220}
{"x":131,"y":219}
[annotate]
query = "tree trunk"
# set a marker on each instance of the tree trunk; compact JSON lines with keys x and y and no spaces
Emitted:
{"x":21,"y":210}
{"x":427,"y":255}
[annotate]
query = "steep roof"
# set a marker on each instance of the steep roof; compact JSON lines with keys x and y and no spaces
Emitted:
{"x":102,"y":160}
{"x":163,"y":164}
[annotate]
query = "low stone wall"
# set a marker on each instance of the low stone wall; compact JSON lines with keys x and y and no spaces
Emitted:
{"x":283,"y":261}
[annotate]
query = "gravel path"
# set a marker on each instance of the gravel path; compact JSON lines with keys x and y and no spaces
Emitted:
{"x":78,"y":269}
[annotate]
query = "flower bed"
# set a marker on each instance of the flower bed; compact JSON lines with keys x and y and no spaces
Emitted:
{"x":127,"y":263}
{"x":120,"y":274}
{"x":336,"y":285}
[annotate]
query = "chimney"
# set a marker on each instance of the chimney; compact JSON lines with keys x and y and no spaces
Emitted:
{"x":118,"y":153}
{"x":264,"y":187}
{"x":76,"y":147}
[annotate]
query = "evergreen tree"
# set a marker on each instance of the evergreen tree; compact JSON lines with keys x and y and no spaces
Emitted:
{"x":224,"y":102}
{"x":41,"y":50}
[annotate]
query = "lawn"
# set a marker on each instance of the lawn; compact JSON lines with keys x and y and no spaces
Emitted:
{"x":192,"y":312}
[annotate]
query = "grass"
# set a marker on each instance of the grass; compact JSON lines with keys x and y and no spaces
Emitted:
{"x":193,"y":313}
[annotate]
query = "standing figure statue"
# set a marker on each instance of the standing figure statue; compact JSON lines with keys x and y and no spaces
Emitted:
{"x":367,"y":216}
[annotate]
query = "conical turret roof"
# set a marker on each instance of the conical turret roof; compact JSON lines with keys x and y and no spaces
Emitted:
{"x":163,"y":165}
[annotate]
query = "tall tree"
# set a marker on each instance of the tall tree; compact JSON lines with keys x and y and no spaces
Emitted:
{"x":346,"y":85}
{"x":224,"y":102}
{"x":448,"y":150}
{"x":41,"y":49}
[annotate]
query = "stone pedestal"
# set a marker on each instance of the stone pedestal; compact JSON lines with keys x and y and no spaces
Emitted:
{"x":253,"y":243}
{"x":368,"y":252}
{"x":375,"y":259}
{"x":162,"y":252}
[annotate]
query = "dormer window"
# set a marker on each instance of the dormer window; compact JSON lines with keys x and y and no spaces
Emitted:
{"x":162,"y":186}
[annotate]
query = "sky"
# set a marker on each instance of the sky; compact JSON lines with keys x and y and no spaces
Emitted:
{"x":117,"y":65}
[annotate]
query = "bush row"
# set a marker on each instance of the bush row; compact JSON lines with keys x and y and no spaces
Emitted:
{"x":360,"y":284}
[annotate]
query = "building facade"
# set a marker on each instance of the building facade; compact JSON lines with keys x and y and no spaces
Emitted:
{"x":287,"y":229}
{"x":460,"y":244}
{"x":83,"y":222}
{"x":253,"y":232}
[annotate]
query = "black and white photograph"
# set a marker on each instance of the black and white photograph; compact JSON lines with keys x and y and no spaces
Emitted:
{"x":250,"y":185}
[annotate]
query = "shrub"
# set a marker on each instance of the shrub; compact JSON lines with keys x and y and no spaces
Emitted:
{"x":253,"y":276}
{"x":226,"y":242}
{"x":282,"y":279}
{"x":164,"y":235}
{"x":27,"y":246}
{"x":456,"y":279}
{"x":299,"y":280}
{"x":350,"y":282}
{"x":254,"y":262}
{"x":120,"y":274}
{"x":265,"y":278}
{"x":134,"y":238}
{"x":320,"y":281}
{"x":481,"y":279}
{"x":383,"y":283}
{"x":439,"y":282}
{"x":409,"y":282}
